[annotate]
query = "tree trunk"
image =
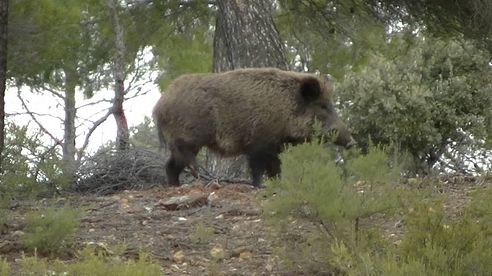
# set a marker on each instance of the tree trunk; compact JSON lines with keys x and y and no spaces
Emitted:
{"x":69,"y":163}
{"x":3,"y":72}
{"x":246,"y":36}
{"x":122,"y":133}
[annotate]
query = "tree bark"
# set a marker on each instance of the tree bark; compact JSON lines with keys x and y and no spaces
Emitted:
{"x":122,"y":133}
{"x":246,"y":36}
{"x":68,"y":148}
{"x":3,"y":73}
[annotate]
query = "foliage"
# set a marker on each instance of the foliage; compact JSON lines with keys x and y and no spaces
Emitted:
{"x":90,"y":263}
{"x":329,"y":36}
{"x":315,"y":192}
{"x":144,"y":135}
{"x":202,"y":233}
{"x":431,"y":96}
{"x":444,"y":246}
{"x":327,"y":219}
{"x":472,"y":19}
{"x":184,"y":37}
{"x":4,"y":268}
{"x":52,"y":230}
{"x":29,"y":167}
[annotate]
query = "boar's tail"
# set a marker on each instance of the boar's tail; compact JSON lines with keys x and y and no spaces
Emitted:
{"x":160,"y":135}
{"x":162,"y":141}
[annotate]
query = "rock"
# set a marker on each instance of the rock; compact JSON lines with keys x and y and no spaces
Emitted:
{"x":178,"y":257}
{"x":217,"y":252}
{"x":195,"y":199}
{"x":18,"y":234}
{"x":271,"y":263}
{"x":237,"y":252}
{"x":413,"y":181}
{"x":246,"y":255}
{"x":212,"y":198}
{"x":221,"y":216}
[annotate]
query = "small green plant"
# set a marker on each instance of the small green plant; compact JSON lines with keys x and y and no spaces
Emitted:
{"x":331,"y":203}
{"x":202,"y":233}
{"x":324,"y":219}
{"x":4,"y":268}
{"x":98,"y":264}
{"x":52,"y":230}
{"x":447,"y":246}
{"x":91,"y":264}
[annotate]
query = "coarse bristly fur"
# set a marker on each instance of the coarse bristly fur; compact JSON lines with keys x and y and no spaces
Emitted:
{"x":248,"y":111}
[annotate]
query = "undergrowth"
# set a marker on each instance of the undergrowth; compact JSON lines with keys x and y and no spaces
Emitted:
{"x":323,"y":215}
{"x":90,"y":263}
{"x":51,"y":231}
{"x":4,"y":268}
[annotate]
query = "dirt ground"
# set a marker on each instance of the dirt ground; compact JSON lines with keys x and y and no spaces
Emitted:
{"x":190,"y":230}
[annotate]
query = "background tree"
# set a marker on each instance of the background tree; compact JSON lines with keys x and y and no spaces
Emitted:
{"x":246,"y":36}
{"x":3,"y":72}
{"x":52,"y":51}
{"x":122,"y":133}
{"x":329,"y":36}
{"x":473,"y":19}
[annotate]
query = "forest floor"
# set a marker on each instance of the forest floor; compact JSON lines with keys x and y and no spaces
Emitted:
{"x":190,"y":230}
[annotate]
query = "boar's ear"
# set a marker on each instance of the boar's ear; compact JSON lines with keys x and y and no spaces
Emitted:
{"x":310,"y":88}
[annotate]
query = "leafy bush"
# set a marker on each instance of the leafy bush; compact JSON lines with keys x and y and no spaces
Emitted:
{"x":444,"y":246}
{"x":90,"y":264}
{"x":4,"y":268}
{"x":331,"y":204}
{"x":326,"y":219}
{"x":52,"y":230}
{"x":28,"y":166}
{"x":431,"y":96}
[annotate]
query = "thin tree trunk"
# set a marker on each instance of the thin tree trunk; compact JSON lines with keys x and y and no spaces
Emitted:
{"x":246,"y":36}
{"x":122,"y":134}
{"x":3,"y":73}
{"x":69,"y":162}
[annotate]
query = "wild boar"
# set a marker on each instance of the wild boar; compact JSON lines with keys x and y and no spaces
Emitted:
{"x":253,"y":111}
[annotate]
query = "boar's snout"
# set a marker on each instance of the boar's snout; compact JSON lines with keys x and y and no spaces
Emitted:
{"x":343,"y":136}
{"x":345,"y":139}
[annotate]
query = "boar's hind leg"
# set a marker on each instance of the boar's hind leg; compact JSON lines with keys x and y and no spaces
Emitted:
{"x":262,"y":162}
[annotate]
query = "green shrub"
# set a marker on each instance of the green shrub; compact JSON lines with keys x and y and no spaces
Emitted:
{"x":91,"y":264}
{"x":202,"y":234}
{"x":331,"y":204}
{"x":28,"y":166}
{"x":4,"y":268}
{"x":326,"y":219}
{"x":434,"y":99}
{"x":445,"y":246}
{"x":52,"y":230}
{"x":94,"y":264}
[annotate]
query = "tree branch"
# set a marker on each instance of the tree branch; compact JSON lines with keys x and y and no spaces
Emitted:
{"x":56,"y":140}
{"x":89,"y":134}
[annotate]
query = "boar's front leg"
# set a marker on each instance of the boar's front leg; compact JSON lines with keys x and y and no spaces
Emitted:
{"x":174,"y":167}
{"x":261,"y":162}
{"x":182,"y":155}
